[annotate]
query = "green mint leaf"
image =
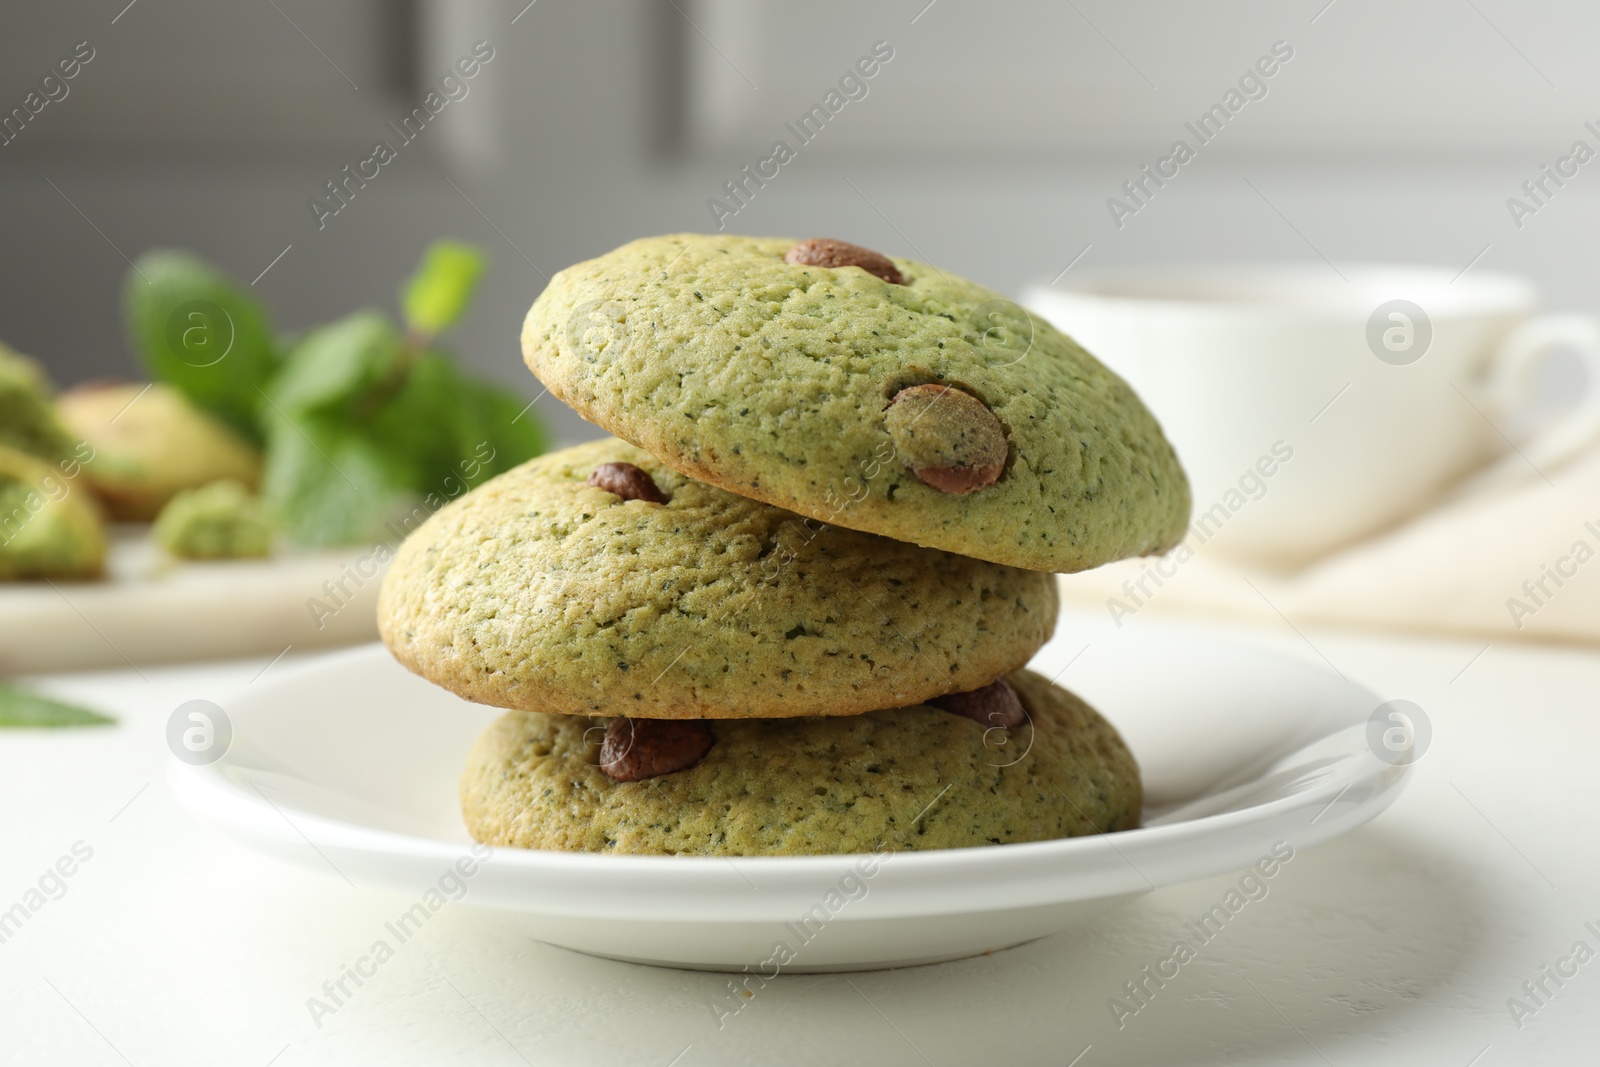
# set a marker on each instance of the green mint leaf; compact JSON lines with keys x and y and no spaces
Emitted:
{"x":457,"y":431}
{"x":21,"y":707}
{"x":343,"y":367}
{"x":423,"y":424}
{"x":193,"y":328}
{"x":454,"y":432}
{"x":504,"y":422}
{"x":329,"y":483}
{"x":438,"y":293}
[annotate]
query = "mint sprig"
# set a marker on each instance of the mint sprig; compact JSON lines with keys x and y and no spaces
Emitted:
{"x":362,"y":421}
{"x":25,"y":708}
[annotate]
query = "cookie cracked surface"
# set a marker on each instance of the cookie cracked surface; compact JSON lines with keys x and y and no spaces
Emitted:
{"x":774,"y":380}
{"x":542,"y":592}
{"x":906,"y":779}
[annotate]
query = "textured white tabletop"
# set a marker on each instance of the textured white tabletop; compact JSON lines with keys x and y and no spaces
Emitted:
{"x":1402,"y":943}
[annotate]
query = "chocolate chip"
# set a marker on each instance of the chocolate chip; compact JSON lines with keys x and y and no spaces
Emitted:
{"x":635,"y":749}
{"x":948,"y":438}
{"x":958,"y":481}
{"x":996,"y":704}
{"x":627,"y":481}
{"x":827,"y":252}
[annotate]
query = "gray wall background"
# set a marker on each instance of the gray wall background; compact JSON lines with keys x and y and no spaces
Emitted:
{"x":989,"y":144}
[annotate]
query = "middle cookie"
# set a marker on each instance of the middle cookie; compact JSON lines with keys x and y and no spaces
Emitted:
{"x":595,"y":580}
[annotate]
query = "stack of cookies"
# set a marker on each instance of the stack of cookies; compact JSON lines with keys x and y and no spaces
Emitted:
{"x":787,"y":608}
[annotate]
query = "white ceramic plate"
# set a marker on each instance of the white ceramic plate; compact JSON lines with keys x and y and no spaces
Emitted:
{"x":350,"y":764}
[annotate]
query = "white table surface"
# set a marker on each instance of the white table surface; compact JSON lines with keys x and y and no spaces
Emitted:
{"x":1398,"y":944}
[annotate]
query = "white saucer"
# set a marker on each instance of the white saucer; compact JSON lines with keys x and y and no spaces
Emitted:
{"x":349,"y":765}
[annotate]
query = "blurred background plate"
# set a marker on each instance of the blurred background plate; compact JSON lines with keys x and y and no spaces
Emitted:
{"x":150,"y":609}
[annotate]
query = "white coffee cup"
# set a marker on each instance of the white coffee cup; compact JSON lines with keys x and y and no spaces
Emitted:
{"x":1311,"y":410}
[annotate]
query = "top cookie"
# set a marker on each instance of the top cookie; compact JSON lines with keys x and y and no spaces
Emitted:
{"x":928,"y":409}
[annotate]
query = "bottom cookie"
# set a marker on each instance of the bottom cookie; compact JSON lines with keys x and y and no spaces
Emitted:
{"x":900,"y":779}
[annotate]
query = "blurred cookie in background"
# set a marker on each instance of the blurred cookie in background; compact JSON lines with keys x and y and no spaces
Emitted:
{"x":150,"y":443}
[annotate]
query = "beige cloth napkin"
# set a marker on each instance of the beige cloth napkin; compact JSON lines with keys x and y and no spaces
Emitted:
{"x":1520,"y":562}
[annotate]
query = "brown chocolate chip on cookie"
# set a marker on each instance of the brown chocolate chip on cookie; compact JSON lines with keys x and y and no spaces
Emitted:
{"x":627,"y":481}
{"x":948,"y":438}
{"x":635,"y":749}
{"x":828,"y":252}
{"x":996,"y":704}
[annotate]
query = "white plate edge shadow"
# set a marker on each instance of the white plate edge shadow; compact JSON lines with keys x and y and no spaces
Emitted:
{"x":1353,"y":787}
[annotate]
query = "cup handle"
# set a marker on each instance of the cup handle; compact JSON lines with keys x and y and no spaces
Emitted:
{"x":1509,"y":389}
